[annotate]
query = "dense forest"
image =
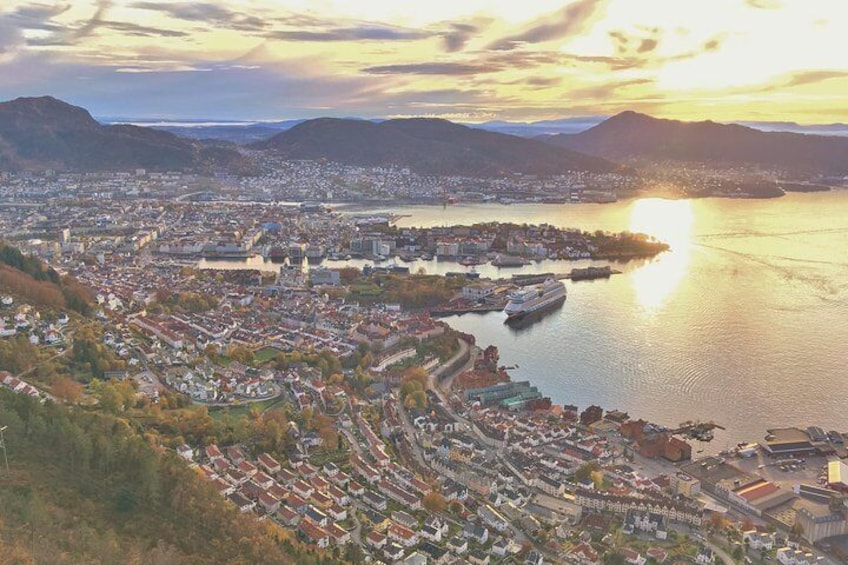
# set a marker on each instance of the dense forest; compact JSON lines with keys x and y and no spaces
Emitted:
{"x":87,"y":487}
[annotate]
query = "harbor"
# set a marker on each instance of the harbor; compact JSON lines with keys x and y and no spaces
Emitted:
{"x":495,"y":295}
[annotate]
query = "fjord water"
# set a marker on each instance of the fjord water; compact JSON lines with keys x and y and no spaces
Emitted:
{"x":744,"y":321}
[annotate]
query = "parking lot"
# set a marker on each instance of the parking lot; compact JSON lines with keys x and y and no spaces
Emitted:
{"x":784,"y":472}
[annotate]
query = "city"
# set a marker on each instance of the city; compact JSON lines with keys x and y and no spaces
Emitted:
{"x":481,"y":282}
{"x":399,"y":439}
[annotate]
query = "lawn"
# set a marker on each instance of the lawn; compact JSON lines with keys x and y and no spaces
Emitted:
{"x":266,"y":354}
{"x":337,"y":456}
{"x":241,"y":409}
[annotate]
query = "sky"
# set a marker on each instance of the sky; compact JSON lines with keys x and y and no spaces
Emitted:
{"x":466,"y":60}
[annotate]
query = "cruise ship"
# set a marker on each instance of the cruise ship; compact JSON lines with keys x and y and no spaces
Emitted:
{"x":535,"y":298}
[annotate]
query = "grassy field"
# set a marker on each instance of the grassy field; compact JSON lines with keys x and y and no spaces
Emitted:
{"x":237,"y":410}
{"x":266,"y":354}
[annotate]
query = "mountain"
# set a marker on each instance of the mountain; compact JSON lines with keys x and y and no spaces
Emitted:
{"x":46,"y":133}
{"x":233,"y":133}
{"x":544,"y":127}
{"x":641,"y":138}
{"x":221,"y":130}
{"x":427,"y":146}
{"x":794,"y":127}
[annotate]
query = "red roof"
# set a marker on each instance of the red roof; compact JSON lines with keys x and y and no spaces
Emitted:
{"x":401,"y":532}
{"x":312,"y":530}
{"x":759,"y":492}
{"x":375,"y":538}
{"x":266,"y":499}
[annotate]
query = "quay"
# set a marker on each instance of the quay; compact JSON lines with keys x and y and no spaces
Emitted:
{"x":459,"y":310}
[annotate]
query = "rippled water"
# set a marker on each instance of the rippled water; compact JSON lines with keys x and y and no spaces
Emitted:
{"x":744,"y":321}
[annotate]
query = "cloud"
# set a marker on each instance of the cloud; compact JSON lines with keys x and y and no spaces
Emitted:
{"x":606,"y":90}
{"x":810,"y":77}
{"x":764,"y":4}
{"x":543,"y":82}
{"x":647,"y":45}
{"x":94,"y":22}
{"x":712,"y":45}
{"x":38,"y":17}
{"x":523,"y":59}
{"x":458,"y":35}
{"x":29,"y":17}
{"x":364,"y":32}
{"x":626,"y":45}
{"x":458,"y":69}
{"x":571,"y":20}
{"x":288,"y":27}
{"x":457,"y":100}
{"x":206,"y":13}
{"x":140,"y":30}
{"x":289,"y":89}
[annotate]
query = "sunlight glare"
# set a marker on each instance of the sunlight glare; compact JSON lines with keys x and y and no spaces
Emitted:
{"x":669,"y":221}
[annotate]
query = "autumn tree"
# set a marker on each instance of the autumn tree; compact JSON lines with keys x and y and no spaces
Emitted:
{"x":240,"y":353}
{"x":585,"y":471}
{"x":434,"y":502}
{"x":349,"y":274}
{"x":67,"y":389}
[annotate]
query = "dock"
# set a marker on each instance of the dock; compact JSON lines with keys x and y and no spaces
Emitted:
{"x":459,"y":310}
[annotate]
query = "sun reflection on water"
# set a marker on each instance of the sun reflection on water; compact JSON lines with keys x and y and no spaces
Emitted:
{"x":670,"y":221}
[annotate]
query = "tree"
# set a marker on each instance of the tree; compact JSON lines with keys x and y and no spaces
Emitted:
{"x":349,"y":274}
{"x":67,"y":389}
{"x":434,"y":502}
{"x":211,"y":352}
{"x":419,"y":398}
{"x":240,"y":353}
{"x":797,"y":529}
{"x":597,"y":479}
{"x":585,"y":471}
{"x":326,"y":430}
{"x":614,"y":559}
{"x":416,"y":374}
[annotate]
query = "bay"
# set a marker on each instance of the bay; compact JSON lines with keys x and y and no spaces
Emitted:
{"x":743,"y":322}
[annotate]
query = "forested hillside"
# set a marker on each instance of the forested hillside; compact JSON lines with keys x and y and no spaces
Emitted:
{"x":30,"y":278}
{"x":87,"y":487}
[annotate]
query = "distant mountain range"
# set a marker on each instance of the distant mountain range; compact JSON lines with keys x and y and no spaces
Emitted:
{"x":46,"y":133}
{"x":637,"y":138}
{"x":241,"y":132}
{"x":250,"y":131}
{"x":836,"y":129}
{"x":427,"y":146}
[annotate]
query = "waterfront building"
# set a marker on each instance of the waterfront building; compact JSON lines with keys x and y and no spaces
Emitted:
{"x":820,"y":513}
{"x":685,"y":485}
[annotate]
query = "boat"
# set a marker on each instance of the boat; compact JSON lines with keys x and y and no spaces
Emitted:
{"x":535,"y":298}
{"x":590,"y":273}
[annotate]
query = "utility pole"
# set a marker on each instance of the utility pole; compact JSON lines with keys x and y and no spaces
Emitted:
{"x":3,"y":447}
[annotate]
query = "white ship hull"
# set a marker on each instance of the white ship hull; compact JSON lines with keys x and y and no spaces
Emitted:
{"x":536,"y":298}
